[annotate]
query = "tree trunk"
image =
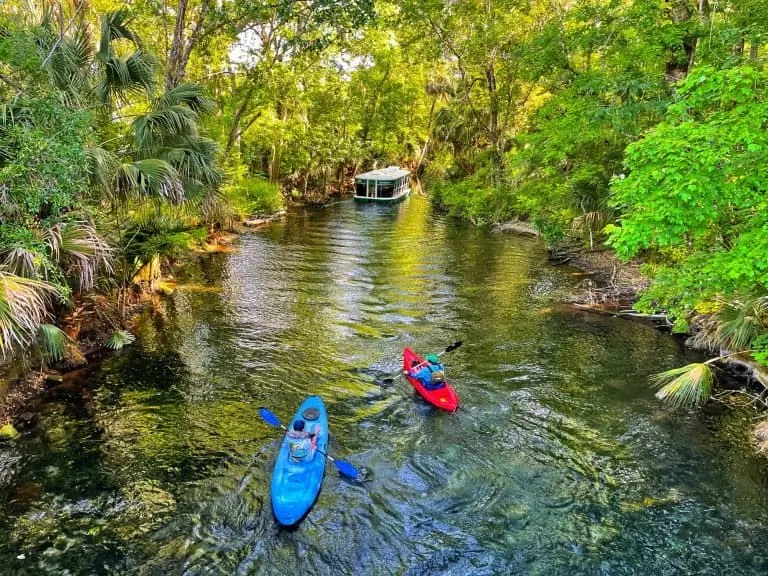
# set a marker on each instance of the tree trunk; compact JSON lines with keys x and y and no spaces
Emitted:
{"x":176,"y":44}
{"x":680,"y":12}
{"x":233,"y":131}
{"x":753,"y":50}
{"x":494,"y":134}
{"x":738,"y":48}
{"x":274,"y":164}
{"x":493,"y":121}
{"x":181,"y":48}
{"x":427,"y":141}
{"x":282,"y":111}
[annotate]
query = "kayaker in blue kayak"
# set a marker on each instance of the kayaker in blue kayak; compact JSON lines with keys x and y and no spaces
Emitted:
{"x":431,"y":374}
{"x":302,"y":444}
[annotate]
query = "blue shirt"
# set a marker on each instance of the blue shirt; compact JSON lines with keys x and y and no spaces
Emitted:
{"x":424,"y":375}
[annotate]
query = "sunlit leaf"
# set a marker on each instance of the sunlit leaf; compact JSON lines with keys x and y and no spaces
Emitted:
{"x":686,"y":386}
{"x":119,"y":340}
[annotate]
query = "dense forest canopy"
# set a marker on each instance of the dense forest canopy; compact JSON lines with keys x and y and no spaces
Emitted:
{"x":640,"y":124}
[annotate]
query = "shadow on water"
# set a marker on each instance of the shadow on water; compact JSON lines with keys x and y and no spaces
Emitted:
{"x":561,"y":461}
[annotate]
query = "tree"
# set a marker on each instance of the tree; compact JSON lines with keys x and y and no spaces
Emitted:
{"x":695,"y":193}
{"x":49,"y":247}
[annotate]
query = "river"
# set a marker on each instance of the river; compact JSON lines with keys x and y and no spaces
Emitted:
{"x":561,"y":461}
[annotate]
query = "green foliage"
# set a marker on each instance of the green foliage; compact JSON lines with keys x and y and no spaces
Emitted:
{"x":172,"y":243}
{"x":694,"y":197}
{"x":473,"y":199}
{"x":760,"y":349}
{"x":42,"y":165}
{"x":86,"y":141}
{"x":250,"y":196}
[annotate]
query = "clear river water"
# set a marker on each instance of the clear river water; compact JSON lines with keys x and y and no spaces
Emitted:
{"x":561,"y":461}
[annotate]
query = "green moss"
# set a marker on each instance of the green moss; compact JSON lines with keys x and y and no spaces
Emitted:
{"x":8,"y":432}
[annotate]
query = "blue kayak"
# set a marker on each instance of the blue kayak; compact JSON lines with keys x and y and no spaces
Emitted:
{"x":298,"y":472}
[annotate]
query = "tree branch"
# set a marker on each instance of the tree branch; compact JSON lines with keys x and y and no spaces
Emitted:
{"x":61,"y":35}
{"x":10,"y":82}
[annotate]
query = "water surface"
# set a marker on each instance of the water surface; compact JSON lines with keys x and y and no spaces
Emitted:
{"x":561,"y":462}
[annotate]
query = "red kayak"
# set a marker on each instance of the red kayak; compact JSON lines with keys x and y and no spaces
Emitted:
{"x":444,"y":397}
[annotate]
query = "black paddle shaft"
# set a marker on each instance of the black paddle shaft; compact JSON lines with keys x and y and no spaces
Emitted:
{"x":450,"y":348}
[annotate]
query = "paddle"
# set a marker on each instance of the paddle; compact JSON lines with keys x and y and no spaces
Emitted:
{"x":342,"y":466}
{"x":450,"y":348}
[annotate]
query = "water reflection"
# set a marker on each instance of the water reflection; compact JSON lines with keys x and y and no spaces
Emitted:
{"x":561,"y":463}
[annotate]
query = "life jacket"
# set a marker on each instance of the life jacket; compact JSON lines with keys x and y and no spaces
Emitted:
{"x":299,"y":446}
{"x":436,"y":377}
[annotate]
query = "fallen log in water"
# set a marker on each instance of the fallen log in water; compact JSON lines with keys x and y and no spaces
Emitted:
{"x":261,"y":220}
{"x":656,"y":320}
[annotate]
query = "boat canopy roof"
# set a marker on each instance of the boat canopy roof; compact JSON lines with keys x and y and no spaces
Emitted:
{"x":390,"y":173}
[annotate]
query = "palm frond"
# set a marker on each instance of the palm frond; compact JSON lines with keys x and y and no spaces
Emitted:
{"x":69,"y":65}
{"x":189,"y":95}
{"x":80,"y":251}
{"x":125,"y":77}
{"x":150,"y":177}
{"x":21,"y":262}
{"x":53,"y":341}
{"x":194,"y":158}
{"x":151,"y":129}
{"x":686,"y":386}
{"x":119,"y":340}
{"x":141,"y":69}
{"x":115,"y":26}
{"x":741,"y":323}
{"x":102,"y":168}
{"x":23,"y":308}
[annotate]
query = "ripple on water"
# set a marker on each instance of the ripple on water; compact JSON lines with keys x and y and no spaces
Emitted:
{"x":560,"y":463}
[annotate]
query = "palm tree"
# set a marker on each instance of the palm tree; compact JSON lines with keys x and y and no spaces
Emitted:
{"x":73,"y":60}
{"x":159,"y":154}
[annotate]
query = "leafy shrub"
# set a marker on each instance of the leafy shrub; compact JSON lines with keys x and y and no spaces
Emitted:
{"x":694,"y":201}
{"x":253,"y":195}
{"x":172,"y":243}
{"x":473,"y":199}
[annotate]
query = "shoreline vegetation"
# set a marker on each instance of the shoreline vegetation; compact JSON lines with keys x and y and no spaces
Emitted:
{"x":632,"y":137}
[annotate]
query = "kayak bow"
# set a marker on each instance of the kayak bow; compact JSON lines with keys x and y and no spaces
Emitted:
{"x":444,"y":397}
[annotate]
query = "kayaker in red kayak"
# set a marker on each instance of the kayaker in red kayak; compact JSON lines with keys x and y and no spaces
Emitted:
{"x":431,"y":374}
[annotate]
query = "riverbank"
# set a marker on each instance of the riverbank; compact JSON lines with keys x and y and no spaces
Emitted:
{"x":612,"y":287}
{"x":95,"y":316}
{"x":89,"y":325}
{"x":608,"y":286}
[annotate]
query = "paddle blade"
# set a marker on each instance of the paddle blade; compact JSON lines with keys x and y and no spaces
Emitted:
{"x":268,"y":417}
{"x":347,"y":469}
{"x":453,"y":346}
